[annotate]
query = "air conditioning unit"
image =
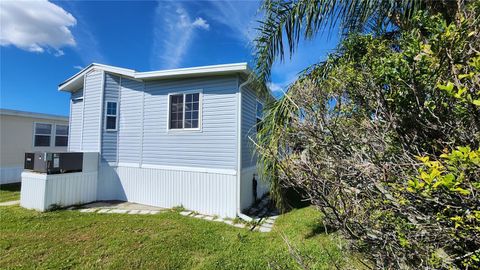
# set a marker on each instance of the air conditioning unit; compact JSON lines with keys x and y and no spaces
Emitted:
{"x":53,"y":163}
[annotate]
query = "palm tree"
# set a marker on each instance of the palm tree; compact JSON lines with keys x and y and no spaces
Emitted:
{"x":290,"y":20}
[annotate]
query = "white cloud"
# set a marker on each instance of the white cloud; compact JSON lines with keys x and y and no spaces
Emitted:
{"x":239,"y":16}
{"x":35,"y":26}
{"x":200,"y":22}
{"x":173,"y":34}
{"x":78,"y":67}
{"x":274,"y":87}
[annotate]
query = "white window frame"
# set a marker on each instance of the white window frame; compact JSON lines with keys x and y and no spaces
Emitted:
{"x":200,"y":109}
{"x":55,"y":135}
{"x":35,"y":133}
{"x":106,"y":115}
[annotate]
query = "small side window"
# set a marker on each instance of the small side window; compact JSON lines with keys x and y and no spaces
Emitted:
{"x":61,"y":135}
{"x":259,"y":115}
{"x":111,"y":116}
{"x":42,"y":134}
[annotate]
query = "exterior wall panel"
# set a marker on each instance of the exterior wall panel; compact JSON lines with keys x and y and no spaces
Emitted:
{"x":92,"y":114}
{"x":110,"y":138}
{"x":131,"y":121}
{"x":212,"y":147}
{"x":42,"y":191}
{"x":208,"y":193}
{"x":249,"y":121}
{"x":76,"y":121}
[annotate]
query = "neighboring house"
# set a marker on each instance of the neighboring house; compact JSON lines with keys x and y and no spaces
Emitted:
{"x":171,"y":137}
{"x":22,"y":132}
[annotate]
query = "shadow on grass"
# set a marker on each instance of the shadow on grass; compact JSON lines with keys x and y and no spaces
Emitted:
{"x":11,"y":187}
{"x":295,"y":199}
{"x":320,"y":228}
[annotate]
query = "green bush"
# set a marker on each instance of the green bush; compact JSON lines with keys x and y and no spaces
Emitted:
{"x":380,"y":138}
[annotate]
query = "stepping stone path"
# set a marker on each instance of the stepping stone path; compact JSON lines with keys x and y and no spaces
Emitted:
{"x":9,"y":203}
{"x":118,"y":208}
{"x":263,"y":213}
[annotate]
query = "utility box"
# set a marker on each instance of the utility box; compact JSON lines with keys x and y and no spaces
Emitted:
{"x":54,"y":163}
{"x":57,"y":180}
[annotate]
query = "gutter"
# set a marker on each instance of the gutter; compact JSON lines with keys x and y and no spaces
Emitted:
{"x":239,"y":151}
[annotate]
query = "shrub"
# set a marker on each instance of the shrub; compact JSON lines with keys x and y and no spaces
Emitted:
{"x":380,"y":138}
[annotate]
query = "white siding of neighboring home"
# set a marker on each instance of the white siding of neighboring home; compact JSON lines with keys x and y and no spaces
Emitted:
{"x":17,"y":138}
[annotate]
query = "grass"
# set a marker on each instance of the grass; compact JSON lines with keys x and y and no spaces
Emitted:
{"x":9,"y":192}
{"x":70,"y":239}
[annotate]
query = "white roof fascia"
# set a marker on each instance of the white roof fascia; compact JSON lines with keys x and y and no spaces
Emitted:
{"x":79,"y":75}
{"x":160,"y":74}
{"x":33,"y":115}
{"x":203,"y":70}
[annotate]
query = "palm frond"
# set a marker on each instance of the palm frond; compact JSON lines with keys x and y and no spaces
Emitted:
{"x":288,"y":21}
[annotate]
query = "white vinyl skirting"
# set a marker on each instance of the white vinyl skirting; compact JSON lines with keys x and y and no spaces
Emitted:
{"x":246,"y":187}
{"x":205,"y":192}
{"x":42,"y":192}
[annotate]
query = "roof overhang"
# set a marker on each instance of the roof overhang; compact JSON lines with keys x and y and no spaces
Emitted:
{"x":76,"y":81}
{"x":33,"y":115}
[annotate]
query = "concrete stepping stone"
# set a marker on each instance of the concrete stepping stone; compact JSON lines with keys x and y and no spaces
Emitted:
{"x":118,"y":211}
{"x":208,"y":218}
{"x":9,"y":203}
{"x":154,"y":212}
{"x":88,"y":210}
{"x":144,"y":212}
{"x":229,"y":222}
{"x":133,"y":212}
{"x":239,"y":225}
{"x":269,"y":221}
{"x":185,"y":213}
{"x":267,"y":225}
{"x":264,"y":229}
{"x":102,"y":211}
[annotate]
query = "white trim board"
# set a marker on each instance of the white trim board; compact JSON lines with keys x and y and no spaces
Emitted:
{"x":74,"y":82}
{"x":33,"y":115}
{"x":175,"y":168}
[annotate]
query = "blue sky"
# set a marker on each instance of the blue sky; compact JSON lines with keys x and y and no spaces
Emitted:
{"x":43,"y":43}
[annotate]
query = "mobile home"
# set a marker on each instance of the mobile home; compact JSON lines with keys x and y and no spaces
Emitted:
{"x":167,"y":138}
{"x":22,"y":132}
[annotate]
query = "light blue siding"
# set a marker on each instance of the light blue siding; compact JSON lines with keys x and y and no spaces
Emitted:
{"x":249,"y":121}
{"x":212,"y":147}
{"x":131,"y":121}
{"x":76,"y":121}
{"x":109,"y":138}
{"x":143,"y":119}
{"x":92,"y":111}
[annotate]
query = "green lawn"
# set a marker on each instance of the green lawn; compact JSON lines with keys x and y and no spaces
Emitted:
{"x":9,"y":192}
{"x":70,"y":239}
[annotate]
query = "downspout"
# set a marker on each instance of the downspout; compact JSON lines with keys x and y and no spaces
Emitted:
{"x":239,"y":151}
